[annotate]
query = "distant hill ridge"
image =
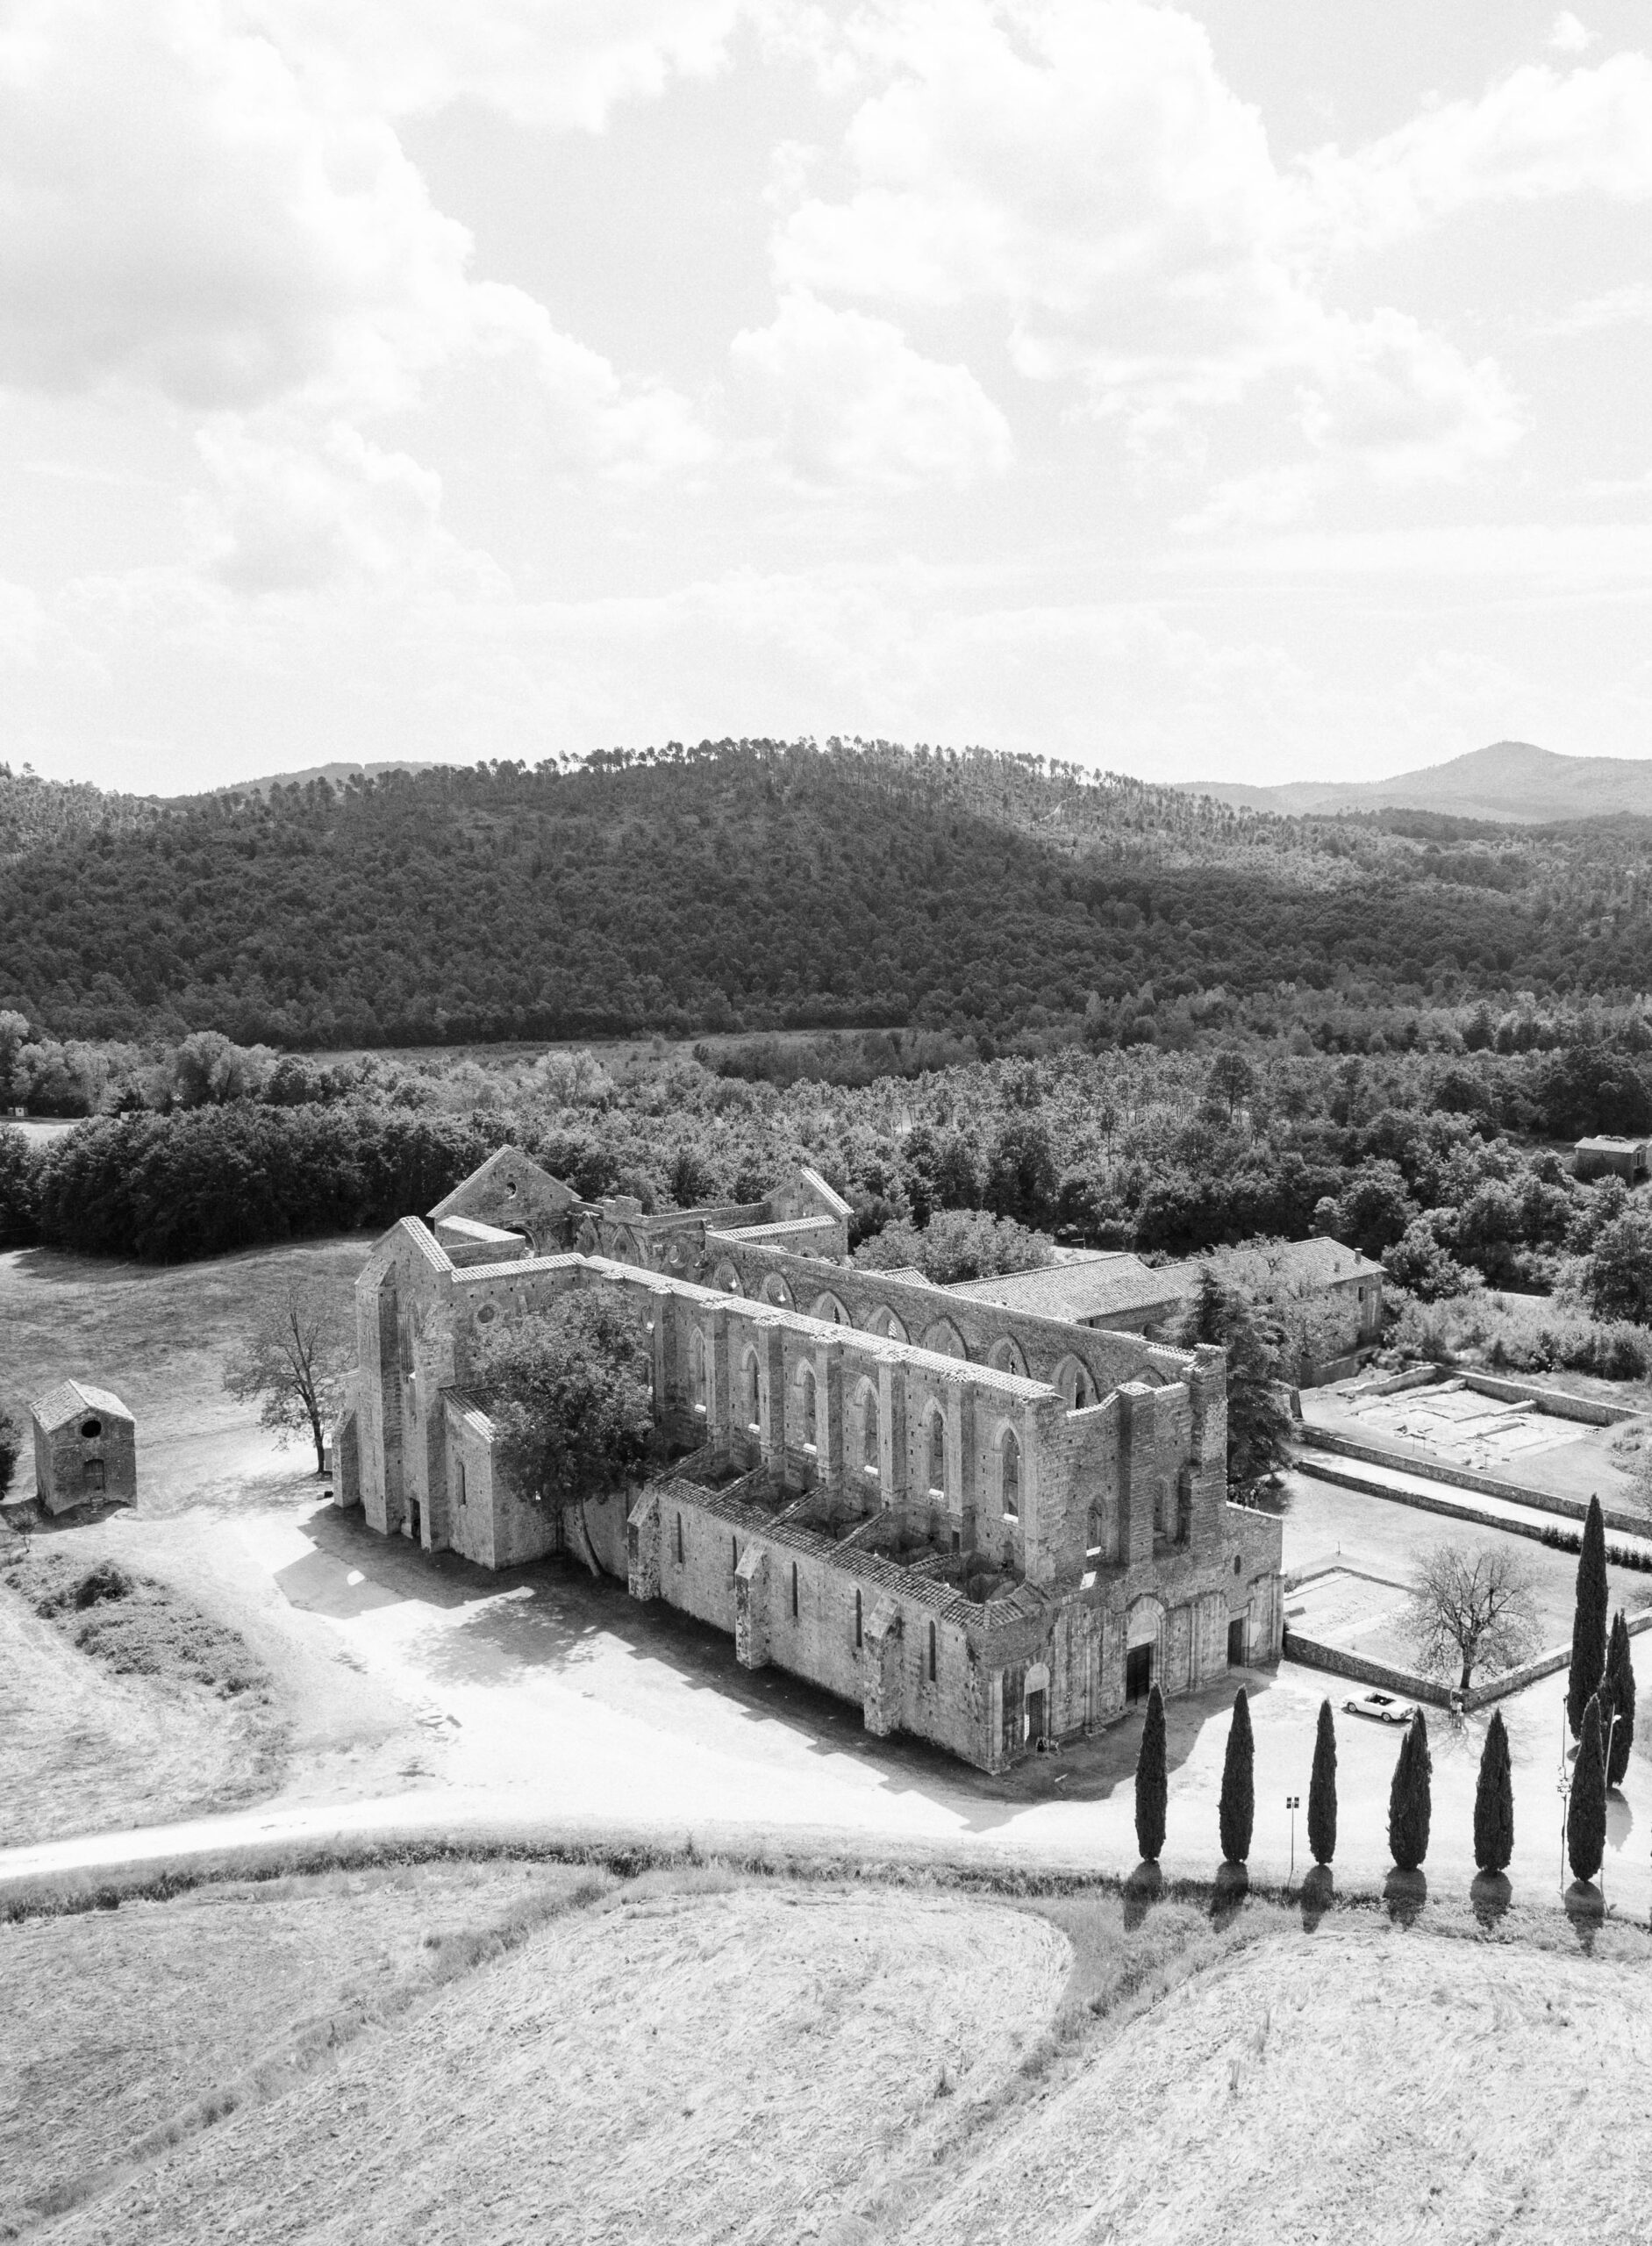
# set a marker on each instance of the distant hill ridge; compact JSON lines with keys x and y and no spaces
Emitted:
{"x":1510,"y":781}
{"x":769,"y":885}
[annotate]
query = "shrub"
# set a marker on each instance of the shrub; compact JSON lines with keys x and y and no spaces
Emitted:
{"x":1494,"y":1800}
{"x":1237,"y":1812}
{"x":1322,"y":1788}
{"x":1409,"y":1798}
{"x":1152,"y":1781}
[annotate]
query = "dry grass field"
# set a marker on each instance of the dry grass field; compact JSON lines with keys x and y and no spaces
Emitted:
{"x":695,"y":2055}
{"x":125,"y":1703}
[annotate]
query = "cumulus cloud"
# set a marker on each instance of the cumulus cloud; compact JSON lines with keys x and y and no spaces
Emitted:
{"x":303,"y":513}
{"x":1088,"y":172}
{"x":1568,"y":36}
{"x":1537,"y":134}
{"x":1404,"y":401}
{"x":847,"y":399}
{"x":569,"y":64}
{"x":1085,"y":166}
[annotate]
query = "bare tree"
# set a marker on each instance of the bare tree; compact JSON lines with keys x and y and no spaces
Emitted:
{"x":293,"y":1355}
{"x":1472,"y":1609}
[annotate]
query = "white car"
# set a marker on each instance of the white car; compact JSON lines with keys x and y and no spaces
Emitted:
{"x":1381,"y":1708}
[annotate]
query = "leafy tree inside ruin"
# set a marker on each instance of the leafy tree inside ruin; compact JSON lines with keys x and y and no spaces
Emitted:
{"x":1258,"y":1417}
{"x":570,"y":1402}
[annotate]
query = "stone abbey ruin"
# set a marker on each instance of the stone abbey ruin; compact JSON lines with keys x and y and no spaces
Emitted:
{"x":987,"y":1525}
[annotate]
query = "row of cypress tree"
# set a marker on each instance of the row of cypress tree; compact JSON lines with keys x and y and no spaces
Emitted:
{"x":1599,"y":1707}
{"x":1410,"y":1801}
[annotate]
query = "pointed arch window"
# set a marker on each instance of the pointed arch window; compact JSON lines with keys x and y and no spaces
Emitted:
{"x":1010,"y":1476}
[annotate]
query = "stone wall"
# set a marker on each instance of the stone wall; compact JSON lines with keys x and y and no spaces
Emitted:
{"x":1429,"y":1469}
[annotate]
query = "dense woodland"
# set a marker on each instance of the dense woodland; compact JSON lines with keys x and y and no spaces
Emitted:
{"x":1443,"y":1166}
{"x":760,"y":886}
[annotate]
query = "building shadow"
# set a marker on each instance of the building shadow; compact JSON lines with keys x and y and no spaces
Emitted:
{"x":553,"y":1615}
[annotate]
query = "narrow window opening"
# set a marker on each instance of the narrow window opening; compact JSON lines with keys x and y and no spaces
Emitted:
{"x":679,"y":1540}
{"x":733,"y":1556}
{"x":858,"y":1637}
{"x":932,"y":1653}
{"x":1011,"y":1478}
{"x":794,"y":1591}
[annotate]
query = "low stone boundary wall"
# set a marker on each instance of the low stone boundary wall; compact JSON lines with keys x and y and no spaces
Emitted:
{"x":1554,"y":1403}
{"x":1418,"y":1377}
{"x":1312,"y":1655}
{"x":1458,"y":1477}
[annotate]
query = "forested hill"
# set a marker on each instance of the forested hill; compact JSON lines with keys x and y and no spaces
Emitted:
{"x":33,"y":811}
{"x":767,"y":886}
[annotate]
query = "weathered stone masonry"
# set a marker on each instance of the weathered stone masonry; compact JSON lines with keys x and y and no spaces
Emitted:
{"x":981,"y":1526}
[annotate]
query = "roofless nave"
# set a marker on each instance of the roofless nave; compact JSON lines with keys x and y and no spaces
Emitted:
{"x":982,"y":1522}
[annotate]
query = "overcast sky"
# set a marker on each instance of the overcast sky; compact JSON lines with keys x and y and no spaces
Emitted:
{"x":1253,"y":390}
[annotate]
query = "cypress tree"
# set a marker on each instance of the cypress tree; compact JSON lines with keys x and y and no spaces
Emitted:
{"x":1152,"y":1781}
{"x":1620,"y":1686}
{"x":1586,"y":1811}
{"x":1589,"y":1619}
{"x":1410,"y":1800}
{"x":1238,"y":1811}
{"x":1322,"y":1788}
{"x":1494,"y":1800}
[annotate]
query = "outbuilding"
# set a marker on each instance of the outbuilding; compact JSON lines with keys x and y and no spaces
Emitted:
{"x":85,"y":1449}
{"x":1611,"y":1156}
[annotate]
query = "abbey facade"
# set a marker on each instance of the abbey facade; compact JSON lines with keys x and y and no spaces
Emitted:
{"x":985,"y":1525}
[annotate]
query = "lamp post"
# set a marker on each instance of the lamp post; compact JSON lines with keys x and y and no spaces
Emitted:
{"x":1293,"y":1802}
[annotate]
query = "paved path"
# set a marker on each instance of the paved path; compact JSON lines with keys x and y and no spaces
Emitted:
{"x":1400,"y":1483}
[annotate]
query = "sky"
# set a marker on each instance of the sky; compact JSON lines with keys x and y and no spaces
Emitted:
{"x":1248,"y":390}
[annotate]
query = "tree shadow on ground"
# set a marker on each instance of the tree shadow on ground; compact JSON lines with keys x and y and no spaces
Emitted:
{"x":1141,"y":1891}
{"x":1490,"y":1894}
{"x":553,"y":1615}
{"x":1319,"y":1894}
{"x":1405,"y":1893}
{"x":1228,"y":1891}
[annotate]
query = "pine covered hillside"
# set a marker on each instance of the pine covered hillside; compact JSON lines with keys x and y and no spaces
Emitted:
{"x":33,"y":811}
{"x":765,"y":885}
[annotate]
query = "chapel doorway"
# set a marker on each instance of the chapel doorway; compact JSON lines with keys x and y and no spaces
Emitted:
{"x":1138,"y":1672}
{"x":1034,"y":1717}
{"x":1236,"y":1642}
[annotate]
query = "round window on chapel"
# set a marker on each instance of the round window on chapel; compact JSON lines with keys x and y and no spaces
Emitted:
{"x":485,"y":1315}
{"x":91,"y":1429}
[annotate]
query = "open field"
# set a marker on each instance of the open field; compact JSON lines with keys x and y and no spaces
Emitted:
{"x":165,"y":2016}
{"x":694,"y":2054}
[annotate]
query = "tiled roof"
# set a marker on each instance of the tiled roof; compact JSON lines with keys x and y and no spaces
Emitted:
{"x":70,"y":1398}
{"x":1075,"y":1292}
{"x":1316,"y":1262}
